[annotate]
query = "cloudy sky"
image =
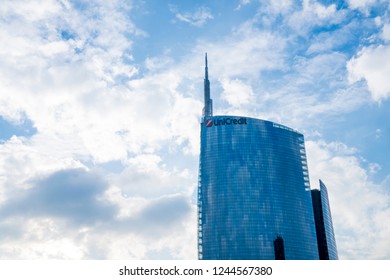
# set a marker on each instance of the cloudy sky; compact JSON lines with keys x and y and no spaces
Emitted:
{"x":100,"y":104}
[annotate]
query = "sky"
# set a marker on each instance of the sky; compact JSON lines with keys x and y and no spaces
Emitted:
{"x":100,"y":109}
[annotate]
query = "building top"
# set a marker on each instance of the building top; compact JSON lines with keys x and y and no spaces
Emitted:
{"x":207,"y":113}
{"x":219,"y":120}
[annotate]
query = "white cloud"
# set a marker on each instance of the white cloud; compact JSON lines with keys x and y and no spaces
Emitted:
{"x":23,"y":160}
{"x":247,"y":47}
{"x":386,"y":32}
{"x":372,"y":64}
{"x":32,"y":10}
{"x":146,"y":176}
{"x":333,"y":40}
{"x":319,"y":10}
{"x":313,"y":14}
{"x":361,"y":4}
{"x":245,"y":2}
{"x":68,"y":214}
{"x":311,"y":92}
{"x":236,"y":92}
{"x":280,"y":6}
{"x":242,"y":4}
{"x":184,"y":123}
{"x":157,"y":63}
{"x":42,"y":238}
{"x":197,"y":18}
{"x":61,"y":70}
{"x":76,"y":88}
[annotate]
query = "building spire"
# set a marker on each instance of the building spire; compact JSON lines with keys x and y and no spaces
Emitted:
{"x":206,"y":74}
{"x":208,"y":102}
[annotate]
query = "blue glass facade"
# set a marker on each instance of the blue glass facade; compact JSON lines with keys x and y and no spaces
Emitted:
{"x":324,"y":225}
{"x":254,"y":199}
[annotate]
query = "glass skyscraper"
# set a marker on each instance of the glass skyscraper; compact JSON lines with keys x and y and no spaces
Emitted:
{"x":324,"y":225}
{"x":254,"y":197}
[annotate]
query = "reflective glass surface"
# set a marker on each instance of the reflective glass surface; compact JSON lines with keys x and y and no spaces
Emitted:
{"x":328,"y":224}
{"x":253,"y":191}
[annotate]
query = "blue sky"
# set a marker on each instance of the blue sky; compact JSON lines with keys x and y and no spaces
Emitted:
{"x":100,"y":104}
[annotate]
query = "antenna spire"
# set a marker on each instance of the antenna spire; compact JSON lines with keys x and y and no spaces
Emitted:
{"x":206,"y":68}
{"x":208,"y":102}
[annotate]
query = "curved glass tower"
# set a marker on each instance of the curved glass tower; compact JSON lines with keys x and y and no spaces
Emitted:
{"x":254,"y":194}
{"x":254,"y":197}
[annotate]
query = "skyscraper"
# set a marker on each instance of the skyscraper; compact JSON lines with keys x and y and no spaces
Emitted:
{"x":254,"y":197}
{"x":324,"y":225}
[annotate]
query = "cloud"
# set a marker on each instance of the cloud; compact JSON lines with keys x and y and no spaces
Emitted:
{"x":160,"y":216}
{"x":81,"y":88}
{"x":74,"y":195}
{"x":373,"y":65}
{"x":313,"y":14}
{"x":386,"y":32}
{"x":280,"y":6}
{"x":242,"y":4}
{"x":361,"y":4}
{"x":75,"y":214}
{"x":148,"y":230}
{"x":248,"y":47}
{"x":334,"y":40}
{"x":313,"y":91}
{"x":236,"y":92}
{"x":23,"y":160}
{"x":40,"y":238}
{"x":89,"y":105}
{"x":147,"y":176}
{"x":197,"y":18}
{"x":31,"y":10}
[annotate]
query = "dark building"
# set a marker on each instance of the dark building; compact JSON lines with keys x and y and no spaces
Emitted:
{"x":254,"y":196}
{"x":324,"y":227}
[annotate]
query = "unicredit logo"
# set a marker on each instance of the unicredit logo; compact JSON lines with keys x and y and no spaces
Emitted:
{"x":225,"y":121}
{"x":209,"y":123}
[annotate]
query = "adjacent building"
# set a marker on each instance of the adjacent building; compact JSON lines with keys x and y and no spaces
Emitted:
{"x":254,"y":196}
{"x":324,"y":226}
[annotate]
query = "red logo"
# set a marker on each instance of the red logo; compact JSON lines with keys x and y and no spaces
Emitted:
{"x":209,"y":123}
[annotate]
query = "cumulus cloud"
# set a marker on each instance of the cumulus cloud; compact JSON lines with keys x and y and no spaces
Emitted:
{"x":279,"y":6}
{"x":236,"y":92}
{"x":147,"y":176}
{"x":313,"y":14}
{"x":160,"y":216}
{"x":386,"y":32}
{"x":361,"y":4}
{"x":312,"y":89}
{"x":31,"y":10}
{"x":373,"y":65}
{"x":75,"y":214}
{"x":248,"y":47}
{"x":23,"y":160}
{"x":62,"y":73}
{"x":74,"y":195}
{"x":79,"y":86}
{"x":333,"y":40}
